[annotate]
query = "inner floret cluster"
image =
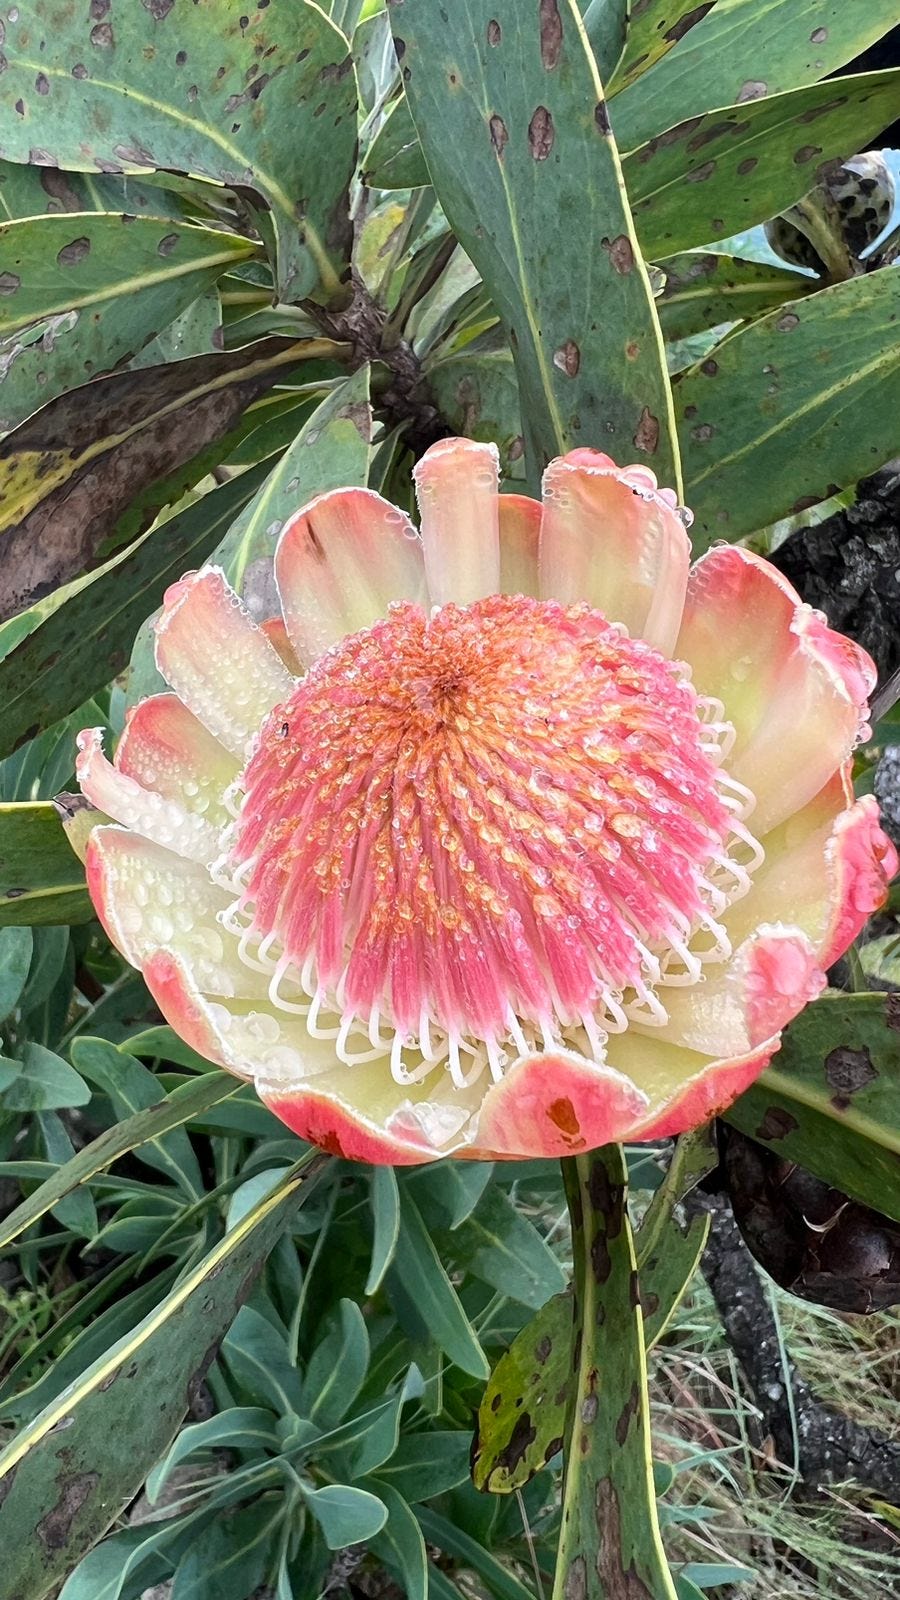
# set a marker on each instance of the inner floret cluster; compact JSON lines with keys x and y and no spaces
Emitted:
{"x":485,"y":829}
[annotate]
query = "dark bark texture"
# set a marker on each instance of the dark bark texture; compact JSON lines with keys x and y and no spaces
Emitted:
{"x":821,"y":1444}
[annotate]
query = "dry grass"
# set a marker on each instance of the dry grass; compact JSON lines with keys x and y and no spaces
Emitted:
{"x":731,"y":1501}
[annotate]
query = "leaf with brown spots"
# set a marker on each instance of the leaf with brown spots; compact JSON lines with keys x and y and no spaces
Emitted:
{"x":504,"y":194}
{"x":135,"y":91}
{"x":759,"y":47}
{"x":67,"y":646}
{"x":36,"y":191}
{"x":831,"y":1098}
{"x":703,"y":289}
{"x":609,"y":1515}
{"x":475,"y":391}
{"x":91,"y":292}
{"x":805,"y":399}
{"x":69,"y":473}
{"x":533,"y":1378}
{"x":65,"y":1491}
{"x":654,"y":28}
{"x":742,"y":161}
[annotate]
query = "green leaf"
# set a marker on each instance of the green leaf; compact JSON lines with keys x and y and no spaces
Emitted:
{"x":103,"y":1572}
{"x":610,"y":1525}
{"x":443,"y":1533}
{"x":77,"y":1210}
{"x":51,"y":948}
{"x":385,"y":1203}
{"x":215,"y":94}
{"x":230,"y":1557}
{"x":94,"y":290}
{"x":713,"y":1574}
{"x":75,"y":1344}
{"x":831,"y":1098}
{"x":790,"y":409}
{"x":250,"y":1428}
{"x":606,"y":25}
{"x":44,"y":1083}
{"x":195,"y":332}
{"x":515,"y":133}
{"x":346,"y":1515}
{"x":337,"y":1368}
{"x":378,"y":1441}
{"x":400,"y":1545}
{"x":120,"y":1415}
{"x":9,"y":1071}
{"x":132,"y":1088}
{"x":258,"y":1359}
{"x":503,"y":1248}
{"x":394,"y":159}
{"x":717,"y":174}
{"x":331,"y":451}
{"x":428,"y":1464}
{"x":740,"y":51}
{"x":522,"y":1416}
{"x":182,"y":1104}
{"x":666,"y":1271}
{"x":703,"y":289}
{"x":685,"y":1590}
{"x":95,"y":466}
{"x":246,"y":1196}
{"x":418,"y":1281}
{"x":41,"y":879}
{"x":35,"y":191}
{"x":16,"y":945}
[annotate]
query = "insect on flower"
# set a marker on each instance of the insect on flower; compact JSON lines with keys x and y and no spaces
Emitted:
{"x":510,"y":837}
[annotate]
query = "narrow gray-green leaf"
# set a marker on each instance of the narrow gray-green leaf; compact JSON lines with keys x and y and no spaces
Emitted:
{"x":417,"y":1272}
{"x":346,"y":1515}
{"x":171,"y":1112}
{"x":384,"y":1198}
{"x":16,"y":946}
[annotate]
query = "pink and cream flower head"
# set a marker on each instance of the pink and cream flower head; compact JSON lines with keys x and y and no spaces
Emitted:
{"x":510,"y":837}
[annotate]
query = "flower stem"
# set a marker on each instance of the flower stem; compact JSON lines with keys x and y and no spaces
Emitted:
{"x":609,"y":1546}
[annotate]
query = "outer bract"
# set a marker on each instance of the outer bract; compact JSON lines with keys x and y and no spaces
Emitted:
{"x":510,"y":837}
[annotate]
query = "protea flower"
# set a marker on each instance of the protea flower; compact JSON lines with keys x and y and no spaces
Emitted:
{"x":510,"y":837}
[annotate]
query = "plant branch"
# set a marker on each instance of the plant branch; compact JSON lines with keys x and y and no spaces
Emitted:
{"x":405,"y":398}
